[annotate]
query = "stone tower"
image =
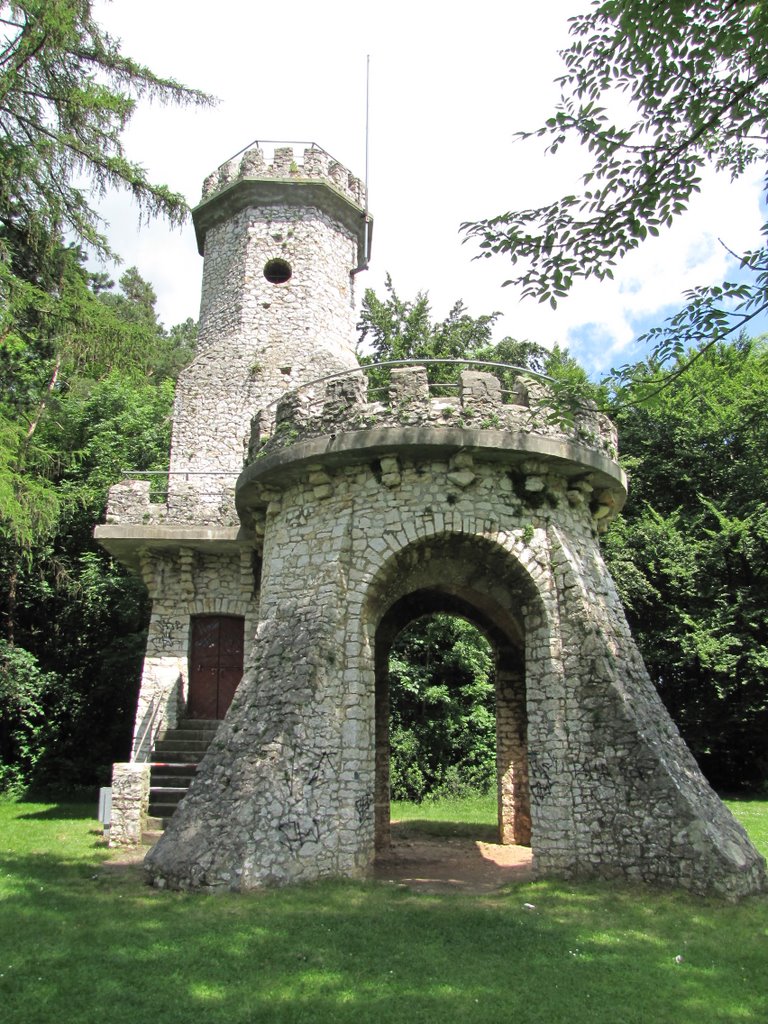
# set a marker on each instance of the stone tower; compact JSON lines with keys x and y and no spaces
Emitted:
{"x":282,"y":240}
{"x":359,"y":512}
{"x":281,"y":243}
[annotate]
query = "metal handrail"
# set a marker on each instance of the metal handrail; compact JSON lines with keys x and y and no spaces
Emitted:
{"x":154,"y":708}
{"x":413,"y":362}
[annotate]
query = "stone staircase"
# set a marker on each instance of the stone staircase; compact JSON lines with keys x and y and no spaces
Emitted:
{"x":174,"y":761}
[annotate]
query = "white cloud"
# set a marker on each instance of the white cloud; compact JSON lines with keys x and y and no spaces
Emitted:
{"x":449,"y":87}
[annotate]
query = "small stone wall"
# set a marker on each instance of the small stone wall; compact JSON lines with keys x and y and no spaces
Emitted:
{"x":201,"y":500}
{"x":130,"y":800}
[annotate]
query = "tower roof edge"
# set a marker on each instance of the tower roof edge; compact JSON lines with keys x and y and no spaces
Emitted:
{"x":294,"y":191}
{"x":316,"y":180}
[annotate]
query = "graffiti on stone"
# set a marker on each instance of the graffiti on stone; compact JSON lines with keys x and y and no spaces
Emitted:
{"x":295,"y":832}
{"x":540,"y":771}
{"x":320,"y":769}
{"x":164,"y":631}
{"x":363,"y":806}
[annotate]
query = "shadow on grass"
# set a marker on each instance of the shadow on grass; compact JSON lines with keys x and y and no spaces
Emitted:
{"x":352,"y":953}
{"x":60,"y":812}
{"x":416,"y":827}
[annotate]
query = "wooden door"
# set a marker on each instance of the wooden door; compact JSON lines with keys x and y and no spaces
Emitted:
{"x":215,"y":664}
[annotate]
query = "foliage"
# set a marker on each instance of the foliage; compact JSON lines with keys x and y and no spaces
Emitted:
{"x":396,"y":328}
{"x":23,"y":689}
{"x":442,"y":695}
{"x":353,"y":952}
{"x":82,"y":615}
{"x":690,"y":555}
{"x":75,"y":413}
{"x":66,"y":96}
{"x":86,"y":382}
{"x":655,"y":92}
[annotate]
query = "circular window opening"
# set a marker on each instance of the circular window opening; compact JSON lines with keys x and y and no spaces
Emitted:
{"x":277,"y":271}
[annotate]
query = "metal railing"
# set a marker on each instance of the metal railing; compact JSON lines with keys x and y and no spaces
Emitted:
{"x":148,"y":730}
{"x":378,"y":390}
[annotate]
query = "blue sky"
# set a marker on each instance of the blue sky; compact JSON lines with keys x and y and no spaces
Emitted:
{"x":449,"y":88}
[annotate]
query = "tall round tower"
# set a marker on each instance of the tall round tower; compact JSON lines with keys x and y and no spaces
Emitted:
{"x":282,"y":238}
{"x":281,"y":242}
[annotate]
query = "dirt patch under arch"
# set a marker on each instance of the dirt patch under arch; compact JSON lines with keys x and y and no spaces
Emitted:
{"x":439,"y":863}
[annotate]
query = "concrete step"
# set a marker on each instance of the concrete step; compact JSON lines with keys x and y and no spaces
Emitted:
{"x":163,"y":810}
{"x":161,"y":783}
{"x":184,"y":735}
{"x":174,"y":761}
{"x":166,"y":795}
{"x":173,"y":769}
{"x":172,"y":746}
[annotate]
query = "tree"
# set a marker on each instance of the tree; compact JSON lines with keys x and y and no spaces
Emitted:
{"x":394,"y":328}
{"x":86,"y":391}
{"x":690,"y":555}
{"x":86,"y":382}
{"x":66,"y":96}
{"x":442,"y":734}
{"x":655,"y":92}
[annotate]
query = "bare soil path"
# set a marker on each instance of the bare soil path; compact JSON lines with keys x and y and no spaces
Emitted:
{"x":451,"y":864}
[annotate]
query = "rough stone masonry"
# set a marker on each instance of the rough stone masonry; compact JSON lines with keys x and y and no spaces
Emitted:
{"x":366,"y":512}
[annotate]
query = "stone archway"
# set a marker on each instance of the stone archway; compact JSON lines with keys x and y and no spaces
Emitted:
{"x":513,"y":795}
{"x":287,"y":792}
{"x":478,"y":581}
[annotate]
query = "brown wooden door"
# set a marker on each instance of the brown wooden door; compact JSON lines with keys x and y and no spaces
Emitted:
{"x":215,"y":664}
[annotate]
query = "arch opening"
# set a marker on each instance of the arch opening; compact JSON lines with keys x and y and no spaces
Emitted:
{"x":482,"y":583}
{"x":454,"y":702}
{"x":442,"y":728}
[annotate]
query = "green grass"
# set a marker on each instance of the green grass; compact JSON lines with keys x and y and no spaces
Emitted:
{"x":81,"y":943}
{"x":474,"y":816}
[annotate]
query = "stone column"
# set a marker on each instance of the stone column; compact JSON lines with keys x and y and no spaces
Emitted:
{"x":382,"y":829}
{"x":130,"y":801}
{"x":512,"y":758}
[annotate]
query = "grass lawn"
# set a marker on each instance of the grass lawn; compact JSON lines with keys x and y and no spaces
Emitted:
{"x":81,"y":944}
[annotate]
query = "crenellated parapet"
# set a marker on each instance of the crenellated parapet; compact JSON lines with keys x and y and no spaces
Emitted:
{"x":314,"y":164}
{"x":549,"y":457}
{"x":342,"y":404}
{"x":204,"y":500}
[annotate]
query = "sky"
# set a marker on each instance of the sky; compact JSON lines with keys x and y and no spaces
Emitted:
{"x":449,"y":88}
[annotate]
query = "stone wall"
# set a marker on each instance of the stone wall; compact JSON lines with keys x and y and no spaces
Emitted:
{"x":330,"y":406}
{"x":130,"y":800}
{"x":198,"y":500}
{"x":183,"y":583}
{"x":287,"y":791}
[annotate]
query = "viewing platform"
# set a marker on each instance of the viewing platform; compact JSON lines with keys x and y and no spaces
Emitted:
{"x":384,"y":410}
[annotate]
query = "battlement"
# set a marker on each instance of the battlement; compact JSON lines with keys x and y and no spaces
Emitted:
{"x":314,"y":165}
{"x":341,"y":420}
{"x":478,"y":401}
{"x":191,"y":499}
